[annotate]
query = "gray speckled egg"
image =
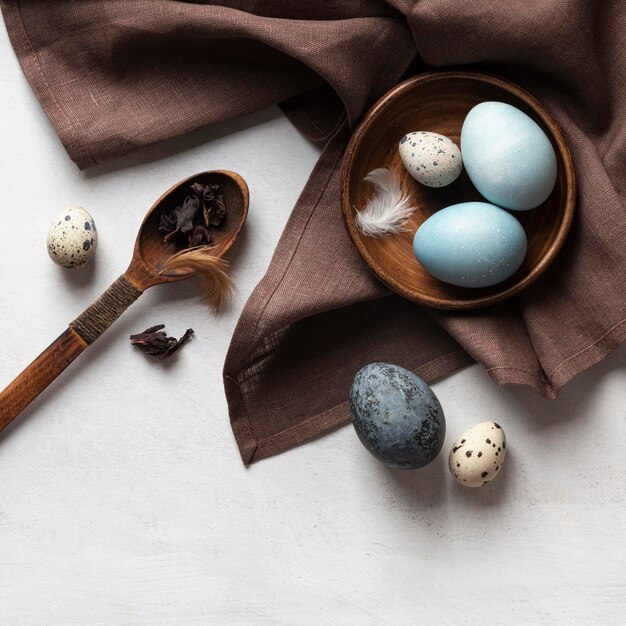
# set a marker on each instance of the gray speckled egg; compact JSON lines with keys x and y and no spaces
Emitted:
{"x":72,"y":238}
{"x":432,"y":159}
{"x":397,"y":416}
{"x":477,"y":456}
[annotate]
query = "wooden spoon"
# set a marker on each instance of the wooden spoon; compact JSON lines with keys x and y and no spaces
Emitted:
{"x":149,"y":257}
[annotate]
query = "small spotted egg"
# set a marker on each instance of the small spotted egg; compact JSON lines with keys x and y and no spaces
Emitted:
{"x":432,"y":159}
{"x":477,"y":456}
{"x":72,"y":238}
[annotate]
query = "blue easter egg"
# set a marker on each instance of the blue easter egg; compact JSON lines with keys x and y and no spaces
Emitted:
{"x":397,"y":416}
{"x":472,"y":244}
{"x":507,"y":156}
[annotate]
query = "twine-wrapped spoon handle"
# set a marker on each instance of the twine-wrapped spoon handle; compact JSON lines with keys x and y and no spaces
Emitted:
{"x":82,"y":332}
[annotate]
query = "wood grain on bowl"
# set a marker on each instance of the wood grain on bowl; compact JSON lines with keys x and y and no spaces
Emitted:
{"x":438,"y":102}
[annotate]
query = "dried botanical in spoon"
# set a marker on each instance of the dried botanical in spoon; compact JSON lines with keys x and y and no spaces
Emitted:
{"x":200,"y":211}
{"x":155,"y":342}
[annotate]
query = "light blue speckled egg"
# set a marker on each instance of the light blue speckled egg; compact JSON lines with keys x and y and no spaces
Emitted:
{"x":507,"y":156}
{"x":472,"y":244}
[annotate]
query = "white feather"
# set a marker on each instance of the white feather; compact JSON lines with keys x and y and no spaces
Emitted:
{"x":388,"y":209}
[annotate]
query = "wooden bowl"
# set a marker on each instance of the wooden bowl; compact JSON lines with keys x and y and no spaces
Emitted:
{"x":438,"y":102}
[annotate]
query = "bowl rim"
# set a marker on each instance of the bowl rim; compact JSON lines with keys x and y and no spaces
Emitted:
{"x":354,"y":144}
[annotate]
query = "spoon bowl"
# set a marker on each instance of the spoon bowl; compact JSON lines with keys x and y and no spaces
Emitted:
{"x":151,"y":251}
{"x":145,"y":270}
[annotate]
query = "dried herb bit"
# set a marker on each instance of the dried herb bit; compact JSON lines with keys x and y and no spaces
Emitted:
{"x":214,"y":208}
{"x":202,"y":209}
{"x":199,"y":236}
{"x":155,"y":342}
{"x":181,"y":218}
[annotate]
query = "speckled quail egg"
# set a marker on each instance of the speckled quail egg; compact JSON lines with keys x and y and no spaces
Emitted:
{"x":477,"y":456}
{"x":432,"y":159}
{"x":72,"y":238}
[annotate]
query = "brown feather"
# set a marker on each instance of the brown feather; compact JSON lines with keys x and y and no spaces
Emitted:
{"x":216,"y":286}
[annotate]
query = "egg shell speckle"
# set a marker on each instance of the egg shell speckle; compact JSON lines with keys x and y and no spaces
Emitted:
{"x":72,"y":238}
{"x":397,"y":416}
{"x":477,"y":456}
{"x":508,"y":156}
{"x":432,"y":159}
{"x":471,"y":244}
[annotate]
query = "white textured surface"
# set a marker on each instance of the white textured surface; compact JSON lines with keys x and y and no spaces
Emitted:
{"x":122,"y":496}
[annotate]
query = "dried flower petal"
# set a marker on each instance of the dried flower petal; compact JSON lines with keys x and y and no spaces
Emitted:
{"x":184,"y":216}
{"x":199,"y":236}
{"x":218,"y":213}
{"x":208,"y":193}
{"x":213,"y":201}
{"x":199,"y":211}
{"x":168,"y":222}
{"x":155,"y":342}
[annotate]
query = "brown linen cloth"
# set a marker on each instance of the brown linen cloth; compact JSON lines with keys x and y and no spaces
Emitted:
{"x":114,"y":75}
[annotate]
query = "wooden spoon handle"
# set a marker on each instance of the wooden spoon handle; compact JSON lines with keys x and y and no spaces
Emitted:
{"x":106,"y":309}
{"x":83,"y":331}
{"x":38,"y":375}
